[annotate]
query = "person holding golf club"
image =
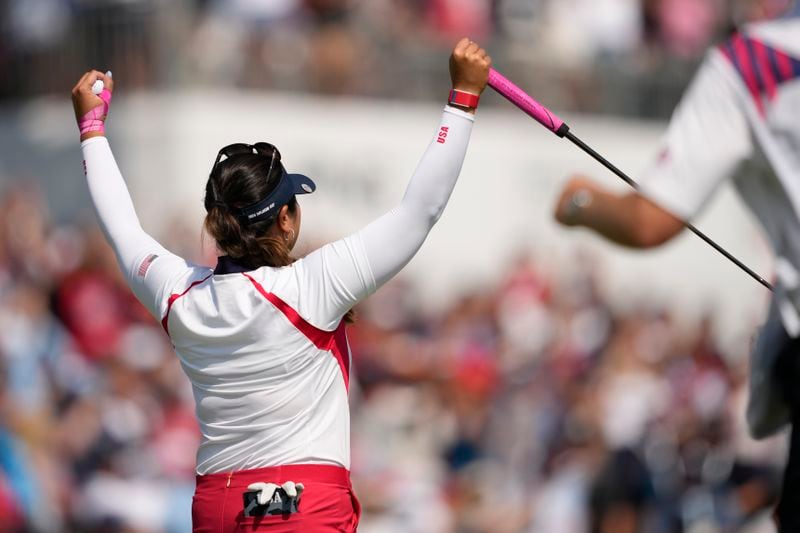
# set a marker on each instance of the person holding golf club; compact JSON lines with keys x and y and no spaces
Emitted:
{"x":739,"y":120}
{"x":262,"y":335}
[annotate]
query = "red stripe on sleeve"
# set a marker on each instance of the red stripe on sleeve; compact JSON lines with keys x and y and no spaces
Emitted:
{"x":763,"y":65}
{"x":746,"y":69}
{"x":784,"y":65}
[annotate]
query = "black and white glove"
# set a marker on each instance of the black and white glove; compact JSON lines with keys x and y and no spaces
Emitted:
{"x":267,"y":492}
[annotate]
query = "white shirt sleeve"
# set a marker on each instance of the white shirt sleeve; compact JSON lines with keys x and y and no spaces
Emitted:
{"x":707,"y":139}
{"x":340,"y":274}
{"x":149,"y":269}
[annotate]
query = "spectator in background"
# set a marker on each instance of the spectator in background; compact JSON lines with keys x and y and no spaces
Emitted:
{"x":685,"y":27}
{"x":60,"y":428}
{"x":588,"y":55}
{"x":93,"y":303}
{"x":448,"y":19}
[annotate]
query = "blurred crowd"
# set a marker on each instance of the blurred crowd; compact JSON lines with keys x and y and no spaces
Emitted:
{"x":526,"y":405}
{"x":97,"y":429}
{"x":629,"y":57}
{"x":533,"y":406}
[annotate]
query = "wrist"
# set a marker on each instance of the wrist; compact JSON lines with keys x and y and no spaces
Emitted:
{"x":93,"y":121}
{"x":467,"y":88}
{"x":89,"y":135}
{"x":577,"y":205}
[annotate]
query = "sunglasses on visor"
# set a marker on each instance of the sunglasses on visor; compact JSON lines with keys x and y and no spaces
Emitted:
{"x":287,"y":187}
{"x":260,"y":148}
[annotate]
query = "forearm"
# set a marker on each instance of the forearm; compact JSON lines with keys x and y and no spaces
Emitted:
{"x":436,"y":174}
{"x":112,"y":203}
{"x":392,"y":240}
{"x":629,"y":220}
{"x":147,"y":267}
{"x":91,"y":135}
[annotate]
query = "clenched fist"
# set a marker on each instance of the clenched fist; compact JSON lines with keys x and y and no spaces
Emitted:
{"x":469,"y":67}
{"x":91,"y":109}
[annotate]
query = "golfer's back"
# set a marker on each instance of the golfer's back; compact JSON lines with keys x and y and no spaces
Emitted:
{"x":270,"y":384}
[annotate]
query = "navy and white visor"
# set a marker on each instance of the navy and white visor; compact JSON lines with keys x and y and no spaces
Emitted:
{"x":288,"y":186}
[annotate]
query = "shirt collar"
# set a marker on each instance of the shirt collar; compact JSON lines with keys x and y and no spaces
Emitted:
{"x":227,"y":265}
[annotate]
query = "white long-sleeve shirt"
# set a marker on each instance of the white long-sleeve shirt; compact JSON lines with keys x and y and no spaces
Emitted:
{"x":265,"y":349}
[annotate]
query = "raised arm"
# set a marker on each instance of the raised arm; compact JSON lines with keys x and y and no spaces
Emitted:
{"x":354,"y":267}
{"x":147,"y":266}
{"x":392,"y":240}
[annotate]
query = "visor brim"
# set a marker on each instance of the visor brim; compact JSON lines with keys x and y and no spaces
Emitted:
{"x":302,"y":184}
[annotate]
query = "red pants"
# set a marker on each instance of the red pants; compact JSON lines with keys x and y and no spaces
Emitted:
{"x":327,"y":504}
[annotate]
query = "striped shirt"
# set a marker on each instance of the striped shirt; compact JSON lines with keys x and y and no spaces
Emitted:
{"x":740,"y":119}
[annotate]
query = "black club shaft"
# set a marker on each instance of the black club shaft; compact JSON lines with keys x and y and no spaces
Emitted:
{"x":627,"y":179}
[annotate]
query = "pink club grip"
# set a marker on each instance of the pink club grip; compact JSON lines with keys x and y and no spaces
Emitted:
{"x":522,"y":100}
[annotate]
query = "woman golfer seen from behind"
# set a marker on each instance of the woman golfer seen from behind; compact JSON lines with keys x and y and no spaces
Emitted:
{"x":261,"y":336}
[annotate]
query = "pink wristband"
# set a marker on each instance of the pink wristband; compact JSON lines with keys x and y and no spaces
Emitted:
{"x":463,"y":99}
{"x":94,"y":120}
